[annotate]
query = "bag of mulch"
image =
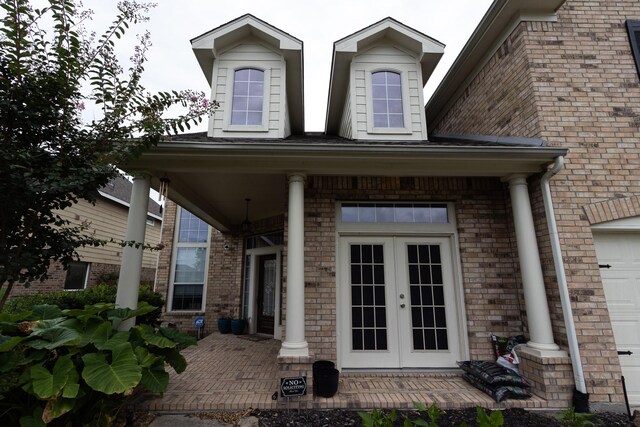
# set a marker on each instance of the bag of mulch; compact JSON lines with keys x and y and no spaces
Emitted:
{"x":503,"y":346}
{"x":493,"y":374}
{"x":500,"y":392}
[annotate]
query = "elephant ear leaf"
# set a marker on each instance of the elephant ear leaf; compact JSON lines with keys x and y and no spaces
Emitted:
{"x":45,"y":312}
{"x":119,"y":376}
{"x":155,"y":378}
{"x":48,"y":385}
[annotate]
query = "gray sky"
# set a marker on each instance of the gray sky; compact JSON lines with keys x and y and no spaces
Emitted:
{"x":318,"y":24}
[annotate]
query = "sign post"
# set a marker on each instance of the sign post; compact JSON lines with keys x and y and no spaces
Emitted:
{"x":199,"y":324}
{"x":293,"y":387}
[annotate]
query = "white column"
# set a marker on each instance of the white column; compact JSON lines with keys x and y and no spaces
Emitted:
{"x":535,"y":296}
{"x":295,"y":343}
{"x":131,"y":266}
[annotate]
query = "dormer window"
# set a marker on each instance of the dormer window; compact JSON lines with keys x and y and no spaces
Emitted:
{"x":248,"y":97}
{"x":386,"y":90}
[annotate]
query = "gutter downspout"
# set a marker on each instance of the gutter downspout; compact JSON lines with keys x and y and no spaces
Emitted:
{"x":580,"y":394}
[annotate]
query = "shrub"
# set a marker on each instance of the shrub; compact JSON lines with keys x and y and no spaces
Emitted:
{"x":89,"y":296}
{"x":73,"y":367}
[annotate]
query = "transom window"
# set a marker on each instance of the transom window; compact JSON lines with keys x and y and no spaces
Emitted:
{"x":248,"y":95}
{"x":386,"y":89}
{"x":407,"y":213}
{"x":189,"y":262}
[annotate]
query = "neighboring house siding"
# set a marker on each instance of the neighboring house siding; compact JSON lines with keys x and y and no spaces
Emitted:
{"x":379,"y":58}
{"x":493,"y":299}
{"x":106,"y":219}
{"x":109,"y":220}
{"x":250,"y":54}
{"x":582,"y":80}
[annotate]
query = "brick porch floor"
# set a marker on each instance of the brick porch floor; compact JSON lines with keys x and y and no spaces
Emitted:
{"x":227,"y":372}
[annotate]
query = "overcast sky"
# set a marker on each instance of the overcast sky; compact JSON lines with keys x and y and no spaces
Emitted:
{"x":318,"y":24}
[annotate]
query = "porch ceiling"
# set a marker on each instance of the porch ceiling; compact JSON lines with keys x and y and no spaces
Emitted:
{"x":212,"y":179}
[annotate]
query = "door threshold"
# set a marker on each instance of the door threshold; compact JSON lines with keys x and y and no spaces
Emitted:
{"x":402,"y":370}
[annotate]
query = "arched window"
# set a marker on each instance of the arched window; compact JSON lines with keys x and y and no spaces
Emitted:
{"x":248,"y":95}
{"x":386,"y":89}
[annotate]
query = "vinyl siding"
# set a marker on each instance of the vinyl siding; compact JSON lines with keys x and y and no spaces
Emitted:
{"x":346,"y":127}
{"x":388,"y":57}
{"x":109,"y":220}
{"x":250,"y":54}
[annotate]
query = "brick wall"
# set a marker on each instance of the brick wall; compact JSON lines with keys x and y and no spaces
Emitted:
{"x":223,"y":295}
{"x":582,"y":93}
{"x":489,"y":269}
{"x":98,"y":273}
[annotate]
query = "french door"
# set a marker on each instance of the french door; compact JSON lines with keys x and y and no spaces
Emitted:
{"x":398,"y":303}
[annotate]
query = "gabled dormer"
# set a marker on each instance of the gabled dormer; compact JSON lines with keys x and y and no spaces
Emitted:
{"x":377,"y":78}
{"x":256,"y":74}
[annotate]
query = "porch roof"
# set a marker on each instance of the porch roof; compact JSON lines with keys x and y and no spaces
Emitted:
{"x":211,"y":177}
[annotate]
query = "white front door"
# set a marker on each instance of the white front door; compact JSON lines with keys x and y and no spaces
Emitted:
{"x":398,"y":303}
{"x":621,"y":282}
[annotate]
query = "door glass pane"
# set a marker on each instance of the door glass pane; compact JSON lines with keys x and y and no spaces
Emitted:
{"x":428,"y":319}
{"x":368,"y":305}
{"x":269,"y":288}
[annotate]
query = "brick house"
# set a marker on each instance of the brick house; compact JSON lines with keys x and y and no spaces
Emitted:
{"x":106,"y":219}
{"x":403,"y":236}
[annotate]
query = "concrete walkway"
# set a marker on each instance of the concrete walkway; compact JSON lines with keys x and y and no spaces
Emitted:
{"x":233,"y":373}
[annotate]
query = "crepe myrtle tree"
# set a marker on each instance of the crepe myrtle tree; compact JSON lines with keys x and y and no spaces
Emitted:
{"x":50,"y":68}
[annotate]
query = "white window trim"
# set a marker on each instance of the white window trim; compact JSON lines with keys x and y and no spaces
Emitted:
{"x":406,"y":105}
{"x":174,"y":253}
{"x":266,"y":99}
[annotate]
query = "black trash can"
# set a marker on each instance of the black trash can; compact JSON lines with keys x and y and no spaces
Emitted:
{"x":325,"y":378}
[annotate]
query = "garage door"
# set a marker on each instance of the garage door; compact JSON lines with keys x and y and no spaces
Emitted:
{"x":621,"y":282}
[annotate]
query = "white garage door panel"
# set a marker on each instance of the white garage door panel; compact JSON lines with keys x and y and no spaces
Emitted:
{"x":622,"y":289}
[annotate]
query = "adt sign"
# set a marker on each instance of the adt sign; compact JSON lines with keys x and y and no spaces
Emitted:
{"x":199,"y":322}
{"x":293,"y":386}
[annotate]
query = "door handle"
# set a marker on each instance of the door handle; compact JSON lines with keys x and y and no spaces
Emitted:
{"x":626,"y":353}
{"x":402,"y":305}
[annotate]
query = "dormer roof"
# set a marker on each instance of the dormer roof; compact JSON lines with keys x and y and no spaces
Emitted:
{"x":428,"y":50}
{"x":208,"y":46}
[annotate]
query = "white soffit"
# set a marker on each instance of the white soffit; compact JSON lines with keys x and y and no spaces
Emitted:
{"x":426,"y":49}
{"x":494,"y":28}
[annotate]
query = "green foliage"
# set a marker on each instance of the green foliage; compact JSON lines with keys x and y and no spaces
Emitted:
{"x":73,"y":367}
{"x":433,"y":412}
{"x":50,"y":67}
{"x":572,"y":418}
{"x":80,"y":299}
{"x":494,"y":419}
{"x":378,"y":418}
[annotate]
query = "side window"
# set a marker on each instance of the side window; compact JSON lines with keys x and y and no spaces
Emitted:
{"x":386,"y":91}
{"x":77,"y":275}
{"x":189,"y":262}
{"x":248,"y":96}
{"x":633,"y":26}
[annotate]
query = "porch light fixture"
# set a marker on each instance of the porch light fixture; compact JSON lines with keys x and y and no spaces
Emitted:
{"x":246,"y":224}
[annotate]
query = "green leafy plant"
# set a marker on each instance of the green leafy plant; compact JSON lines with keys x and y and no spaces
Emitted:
{"x":89,"y":296}
{"x":378,"y":418}
{"x":74,"y":367}
{"x":51,"y":69}
{"x":433,"y":412}
{"x":491,"y":419}
{"x":572,"y":418}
